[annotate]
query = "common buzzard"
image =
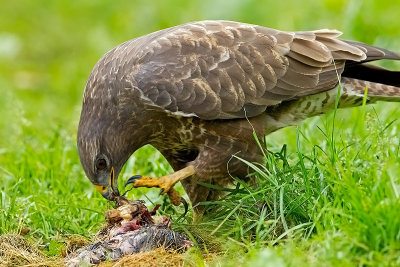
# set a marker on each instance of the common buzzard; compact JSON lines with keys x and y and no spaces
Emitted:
{"x":197,"y":91}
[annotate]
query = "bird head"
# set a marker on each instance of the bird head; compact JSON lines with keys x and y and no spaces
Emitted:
{"x":102,"y":174}
{"x":113,"y":123}
{"x":108,"y":134}
{"x":100,"y":158}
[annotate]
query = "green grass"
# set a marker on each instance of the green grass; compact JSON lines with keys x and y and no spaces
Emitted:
{"x":332,"y":204}
{"x":330,"y":196}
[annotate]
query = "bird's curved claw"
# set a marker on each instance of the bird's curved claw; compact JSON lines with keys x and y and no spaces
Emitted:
{"x":173,"y":195}
{"x":165,"y":183}
{"x":133,"y":179}
{"x":185,"y":204}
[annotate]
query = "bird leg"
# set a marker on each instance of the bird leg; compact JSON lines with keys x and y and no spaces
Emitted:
{"x":165,"y":183}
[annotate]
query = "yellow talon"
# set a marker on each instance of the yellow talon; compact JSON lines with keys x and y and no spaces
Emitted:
{"x":165,"y":183}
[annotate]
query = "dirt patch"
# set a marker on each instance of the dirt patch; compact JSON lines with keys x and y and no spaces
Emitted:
{"x":131,"y":235}
{"x":73,"y":243}
{"x":153,"y":258}
{"x":15,"y":250}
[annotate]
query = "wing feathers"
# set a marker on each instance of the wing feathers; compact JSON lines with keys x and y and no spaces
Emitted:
{"x":302,"y":68}
{"x":331,"y":34}
{"x":301,"y":80}
{"x":341,"y":50}
{"x":312,"y":49}
{"x":219,"y":69}
{"x":307,"y":60}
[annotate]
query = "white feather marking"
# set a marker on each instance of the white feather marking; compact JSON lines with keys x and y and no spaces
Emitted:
{"x":224,"y":56}
{"x":183,"y":114}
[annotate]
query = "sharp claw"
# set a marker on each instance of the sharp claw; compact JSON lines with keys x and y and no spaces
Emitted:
{"x":133,"y":179}
{"x":185,"y":204}
{"x":161,"y":191}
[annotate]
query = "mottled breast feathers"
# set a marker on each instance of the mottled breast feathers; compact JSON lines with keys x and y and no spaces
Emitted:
{"x":224,"y":70}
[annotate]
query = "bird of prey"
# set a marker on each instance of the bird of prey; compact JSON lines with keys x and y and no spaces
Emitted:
{"x":197,"y":91}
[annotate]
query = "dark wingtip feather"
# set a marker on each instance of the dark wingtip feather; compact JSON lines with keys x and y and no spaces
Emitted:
{"x":373,"y":52}
{"x":371,"y":73}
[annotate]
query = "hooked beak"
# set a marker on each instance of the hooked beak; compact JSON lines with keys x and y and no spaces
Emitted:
{"x":110,"y":191}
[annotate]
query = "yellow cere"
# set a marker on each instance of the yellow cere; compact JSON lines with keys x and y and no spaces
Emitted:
{"x":101,"y":188}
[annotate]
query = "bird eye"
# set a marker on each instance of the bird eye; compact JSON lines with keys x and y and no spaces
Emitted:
{"x":101,"y":164}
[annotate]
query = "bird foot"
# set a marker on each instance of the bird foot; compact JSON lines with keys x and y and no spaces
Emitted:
{"x":165,"y":183}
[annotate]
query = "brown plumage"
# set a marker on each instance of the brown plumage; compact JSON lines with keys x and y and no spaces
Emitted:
{"x":195,"y":92}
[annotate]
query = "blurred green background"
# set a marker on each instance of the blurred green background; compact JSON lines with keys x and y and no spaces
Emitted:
{"x":47,"y":50}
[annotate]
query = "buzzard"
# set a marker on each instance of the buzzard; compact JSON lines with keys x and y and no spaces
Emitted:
{"x":197,"y":91}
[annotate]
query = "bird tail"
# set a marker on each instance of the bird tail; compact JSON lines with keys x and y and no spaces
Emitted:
{"x":353,"y":91}
{"x":381,"y":83}
{"x":359,"y":80}
{"x":375,"y":91}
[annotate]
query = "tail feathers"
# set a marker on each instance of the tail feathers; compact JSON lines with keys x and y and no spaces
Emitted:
{"x":351,"y":95}
{"x":375,"y":91}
